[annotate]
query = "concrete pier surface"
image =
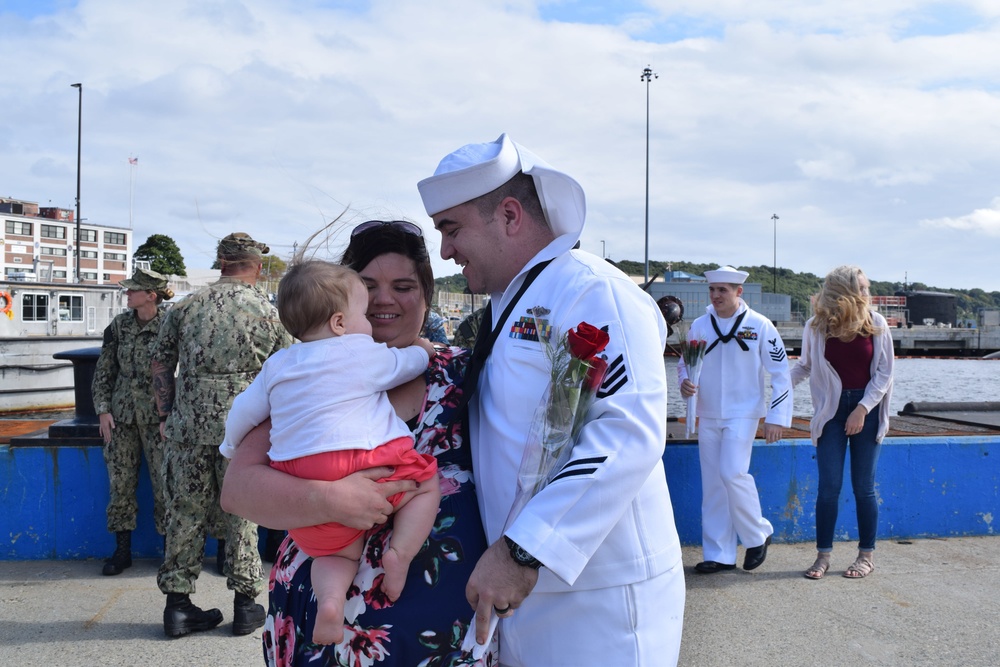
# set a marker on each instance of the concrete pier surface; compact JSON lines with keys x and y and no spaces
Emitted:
{"x":929,"y":602}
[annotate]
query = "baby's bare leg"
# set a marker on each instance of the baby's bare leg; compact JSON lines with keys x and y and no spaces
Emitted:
{"x":331,"y":577}
{"x":411,"y":524}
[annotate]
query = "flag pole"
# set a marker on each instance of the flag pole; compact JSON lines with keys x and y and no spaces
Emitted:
{"x":133,"y":164}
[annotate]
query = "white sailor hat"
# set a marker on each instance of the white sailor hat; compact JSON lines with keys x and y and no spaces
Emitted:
{"x":727,"y":274}
{"x":477,"y":169}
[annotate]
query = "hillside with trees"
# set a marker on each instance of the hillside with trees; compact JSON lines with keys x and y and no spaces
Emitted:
{"x":800,"y":286}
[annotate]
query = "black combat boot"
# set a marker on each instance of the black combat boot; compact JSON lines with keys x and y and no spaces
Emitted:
{"x":247,"y":615}
{"x":181,"y":617}
{"x":122,"y":557}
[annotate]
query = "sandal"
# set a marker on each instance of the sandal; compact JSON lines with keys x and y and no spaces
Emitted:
{"x":818,"y":568}
{"x":860,"y":568}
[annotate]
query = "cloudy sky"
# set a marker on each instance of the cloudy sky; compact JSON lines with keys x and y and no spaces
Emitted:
{"x":870,"y":128}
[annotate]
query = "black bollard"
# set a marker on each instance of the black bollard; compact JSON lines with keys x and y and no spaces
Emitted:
{"x":85,"y":424}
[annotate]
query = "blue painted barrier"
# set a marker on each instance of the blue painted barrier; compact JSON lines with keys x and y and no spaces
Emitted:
{"x":53,"y":503}
{"x":53,"y":499}
{"x":927,"y":487}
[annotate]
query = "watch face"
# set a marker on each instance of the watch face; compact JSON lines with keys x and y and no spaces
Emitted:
{"x":520,"y":556}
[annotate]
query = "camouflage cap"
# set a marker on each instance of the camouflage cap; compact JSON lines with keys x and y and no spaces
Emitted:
{"x":239,"y":246}
{"x":145,"y":280}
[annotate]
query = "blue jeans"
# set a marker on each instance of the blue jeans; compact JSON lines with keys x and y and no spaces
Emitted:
{"x":831,"y":448}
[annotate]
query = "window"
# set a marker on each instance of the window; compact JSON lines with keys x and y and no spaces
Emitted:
{"x":115,"y":256}
{"x":88,"y":235}
{"x":70,"y":308}
{"x":114,"y":238}
{"x":88,"y":254}
{"x":21,"y":228}
{"x":88,"y":275}
{"x":61,"y":252}
{"x":107,"y":277}
{"x":59,"y":274}
{"x":53,"y":232}
{"x":33,"y":307}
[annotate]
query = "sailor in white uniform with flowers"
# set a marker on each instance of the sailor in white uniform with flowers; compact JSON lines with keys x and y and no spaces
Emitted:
{"x":589,"y":572}
{"x":741,"y":345}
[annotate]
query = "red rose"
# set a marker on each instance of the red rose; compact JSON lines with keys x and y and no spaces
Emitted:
{"x":595,"y":374}
{"x":586,"y":341}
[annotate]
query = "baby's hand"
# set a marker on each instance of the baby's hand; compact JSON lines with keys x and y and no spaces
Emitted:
{"x":427,"y":345}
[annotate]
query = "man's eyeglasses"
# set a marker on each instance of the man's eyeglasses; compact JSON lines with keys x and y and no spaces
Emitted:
{"x":402,"y":225}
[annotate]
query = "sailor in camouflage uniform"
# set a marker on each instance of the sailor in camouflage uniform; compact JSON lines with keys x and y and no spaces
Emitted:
{"x":123,"y":399}
{"x":218,"y":339}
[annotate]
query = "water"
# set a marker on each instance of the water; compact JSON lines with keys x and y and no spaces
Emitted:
{"x":915,"y":380}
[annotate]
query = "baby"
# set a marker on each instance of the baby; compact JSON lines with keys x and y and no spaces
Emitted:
{"x":330,"y":417}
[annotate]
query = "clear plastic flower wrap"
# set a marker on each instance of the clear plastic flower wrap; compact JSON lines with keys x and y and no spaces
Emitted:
{"x":692,"y":354}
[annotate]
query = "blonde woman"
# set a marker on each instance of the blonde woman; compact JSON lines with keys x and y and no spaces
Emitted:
{"x":847,"y":356}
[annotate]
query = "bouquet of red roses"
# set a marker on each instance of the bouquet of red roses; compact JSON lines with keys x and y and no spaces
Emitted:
{"x":692,"y":353}
{"x":576,"y":374}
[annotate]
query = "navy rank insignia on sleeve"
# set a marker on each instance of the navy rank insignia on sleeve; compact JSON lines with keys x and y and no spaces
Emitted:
{"x":615,"y":378}
{"x":777,"y":352}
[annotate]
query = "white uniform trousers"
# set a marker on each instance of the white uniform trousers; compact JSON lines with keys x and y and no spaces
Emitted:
{"x":637,"y":625}
{"x":730,"y":505}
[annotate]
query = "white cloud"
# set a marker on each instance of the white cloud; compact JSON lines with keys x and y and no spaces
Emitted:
{"x":980,"y":221}
{"x":841,"y":117}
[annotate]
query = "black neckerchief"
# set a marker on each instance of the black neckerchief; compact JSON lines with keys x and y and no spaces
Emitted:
{"x":729,"y":336}
{"x":484,"y":342}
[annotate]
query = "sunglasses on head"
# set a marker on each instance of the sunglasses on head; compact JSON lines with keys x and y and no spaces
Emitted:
{"x":402,"y":225}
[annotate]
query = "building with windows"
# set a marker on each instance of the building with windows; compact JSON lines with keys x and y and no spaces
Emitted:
{"x":39,"y":244}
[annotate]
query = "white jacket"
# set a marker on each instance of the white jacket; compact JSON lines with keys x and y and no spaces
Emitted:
{"x":824,"y":382}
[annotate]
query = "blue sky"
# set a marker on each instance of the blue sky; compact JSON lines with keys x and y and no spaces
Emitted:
{"x":32,"y":8}
{"x":869,"y":128}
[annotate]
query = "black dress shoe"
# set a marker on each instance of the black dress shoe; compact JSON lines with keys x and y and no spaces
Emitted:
{"x":711,"y":567}
{"x":755,"y":555}
{"x":181,"y":617}
{"x":247,"y":615}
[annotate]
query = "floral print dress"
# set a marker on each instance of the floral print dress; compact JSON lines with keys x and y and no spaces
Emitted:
{"x":426,"y":626}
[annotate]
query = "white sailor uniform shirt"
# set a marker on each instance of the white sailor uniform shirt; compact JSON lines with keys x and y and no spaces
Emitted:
{"x":607,"y":519}
{"x":731,"y":385}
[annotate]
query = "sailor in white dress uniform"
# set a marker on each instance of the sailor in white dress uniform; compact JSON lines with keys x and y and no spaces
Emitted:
{"x":742,"y":345}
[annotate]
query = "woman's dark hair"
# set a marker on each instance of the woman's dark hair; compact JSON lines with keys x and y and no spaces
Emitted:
{"x":385,"y":239}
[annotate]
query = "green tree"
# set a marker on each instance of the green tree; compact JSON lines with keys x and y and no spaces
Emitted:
{"x":270,"y":275}
{"x":162,"y":254}
{"x":455,"y":283}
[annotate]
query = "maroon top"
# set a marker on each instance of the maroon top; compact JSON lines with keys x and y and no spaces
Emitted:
{"x":852,"y":361}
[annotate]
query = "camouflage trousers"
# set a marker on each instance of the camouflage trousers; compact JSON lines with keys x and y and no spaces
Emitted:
{"x":194,"y":475}
{"x":122,"y":458}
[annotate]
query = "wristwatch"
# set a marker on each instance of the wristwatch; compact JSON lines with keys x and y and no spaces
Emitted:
{"x":520,"y":556}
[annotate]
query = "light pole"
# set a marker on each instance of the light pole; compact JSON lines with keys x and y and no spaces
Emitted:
{"x":647,"y":75}
{"x":774,"y":217}
{"x":79,"y":135}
